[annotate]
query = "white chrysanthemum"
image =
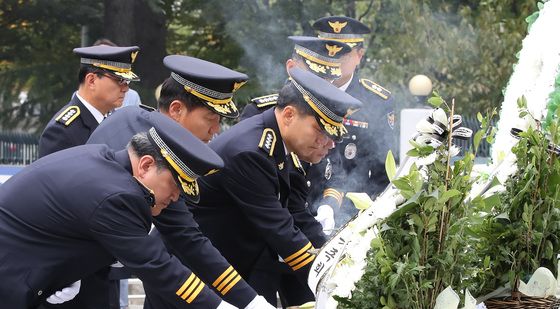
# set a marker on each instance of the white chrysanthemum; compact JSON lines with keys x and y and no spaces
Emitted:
{"x":533,"y":77}
{"x":440,"y":116}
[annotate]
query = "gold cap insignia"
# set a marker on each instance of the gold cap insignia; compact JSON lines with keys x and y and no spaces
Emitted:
{"x":133,"y":56}
{"x":333,"y":49}
{"x":212,"y":171}
{"x":237,"y":86}
{"x":337,"y":26}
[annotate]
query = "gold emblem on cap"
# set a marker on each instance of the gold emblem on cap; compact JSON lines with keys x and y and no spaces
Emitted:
{"x":133,"y":56}
{"x":333,"y":49}
{"x":212,"y":171}
{"x":237,"y":86}
{"x":337,"y":26}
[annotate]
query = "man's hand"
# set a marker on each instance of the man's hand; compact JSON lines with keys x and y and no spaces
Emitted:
{"x":66,"y":294}
{"x":325,"y":216}
{"x":259,"y":302}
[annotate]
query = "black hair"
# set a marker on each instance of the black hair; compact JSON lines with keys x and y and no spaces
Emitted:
{"x":85,"y":69}
{"x":141,"y":146}
{"x":171,"y":90}
{"x":289,"y":95}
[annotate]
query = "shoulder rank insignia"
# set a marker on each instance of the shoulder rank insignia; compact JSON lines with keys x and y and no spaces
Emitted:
{"x":266,"y":100}
{"x":68,"y":115}
{"x":375,"y":88}
{"x":268,"y":141}
{"x":297,"y":163}
{"x":147,"y":107}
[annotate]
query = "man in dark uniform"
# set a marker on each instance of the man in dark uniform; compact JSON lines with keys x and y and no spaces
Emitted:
{"x":84,"y":213}
{"x":358,"y":163}
{"x":244,"y":209}
{"x":105,"y":73}
{"x":196,"y":95}
{"x":321,"y":57}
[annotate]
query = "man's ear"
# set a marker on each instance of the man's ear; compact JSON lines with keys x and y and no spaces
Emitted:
{"x":290,"y":63}
{"x":289,"y":113}
{"x":89,"y":80}
{"x":176,"y":108}
{"x":144,"y":165}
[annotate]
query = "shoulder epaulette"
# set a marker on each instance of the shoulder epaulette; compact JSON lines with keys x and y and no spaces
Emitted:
{"x":266,"y":100}
{"x":147,"y":107}
{"x":68,"y":115}
{"x":375,"y":88}
{"x":268,"y":141}
{"x":297,"y":163}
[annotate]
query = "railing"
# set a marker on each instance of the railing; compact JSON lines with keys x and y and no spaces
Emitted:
{"x":18,"y":148}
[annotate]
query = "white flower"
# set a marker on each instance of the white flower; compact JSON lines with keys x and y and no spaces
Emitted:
{"x":533,"y":77}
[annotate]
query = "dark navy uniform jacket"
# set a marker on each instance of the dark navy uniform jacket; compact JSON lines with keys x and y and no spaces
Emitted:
{"x":180,"y":232}
{"x":299,"y":184}
{"x":243,"y":208}
{"x":74,"y":212}
{"x":357,"y":164}
{"x":70,"y":127}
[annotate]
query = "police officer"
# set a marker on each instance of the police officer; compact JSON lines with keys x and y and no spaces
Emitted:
{"x":243,"y":210}
{"x":196,"y":95}
{"x":358,"y":163}
{"x":105,"y":72}
{"x":104,"y":75}
{"x":321,"y":57}
{"x":84,"y":213}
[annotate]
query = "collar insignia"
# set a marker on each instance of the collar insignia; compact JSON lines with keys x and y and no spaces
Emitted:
{"x":268,"y":141}
{"x":68,"y":115}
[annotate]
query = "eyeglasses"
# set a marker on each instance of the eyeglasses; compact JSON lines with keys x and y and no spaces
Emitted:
{"x":120,"y":81}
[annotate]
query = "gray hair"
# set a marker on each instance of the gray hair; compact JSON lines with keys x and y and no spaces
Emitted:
{"x":141,"y":146}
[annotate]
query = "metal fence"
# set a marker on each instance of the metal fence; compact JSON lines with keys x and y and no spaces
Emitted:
{"x":18,"y":148}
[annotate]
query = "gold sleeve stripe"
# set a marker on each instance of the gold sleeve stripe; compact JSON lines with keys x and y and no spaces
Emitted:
{"x":311,"y":258}
{"x":334,"y":194}
{"x":188,"y":292}
{"x":299,"y":259}
{"x":297,"y":254}
{"x":227,"y":280}
{"x":184,"y":286}
{"x":196,"y":292}
{"x":231,"y":285}
{"x":192,"y":289}
{"x":222,"y":276}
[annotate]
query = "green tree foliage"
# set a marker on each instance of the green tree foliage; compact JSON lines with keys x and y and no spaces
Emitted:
{"x":466,"y":47}
{"x":37,"y":37}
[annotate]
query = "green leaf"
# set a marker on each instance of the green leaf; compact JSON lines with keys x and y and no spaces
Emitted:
{"x":448,"y":194}
{"x":390,"y":165}
{"x":435,"y":101}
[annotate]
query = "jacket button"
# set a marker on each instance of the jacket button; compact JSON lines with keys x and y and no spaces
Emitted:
{"x":39,"y":293}
{"x":309,"y":183}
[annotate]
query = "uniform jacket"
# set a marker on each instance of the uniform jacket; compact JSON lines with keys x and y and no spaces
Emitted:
{"x":71,"y":126}
{"x":175,"y":223}
{"x":80,"y":216}
{"x":243,"y":208}
{"x":357,"y":164}
{"x":299,"y":183}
